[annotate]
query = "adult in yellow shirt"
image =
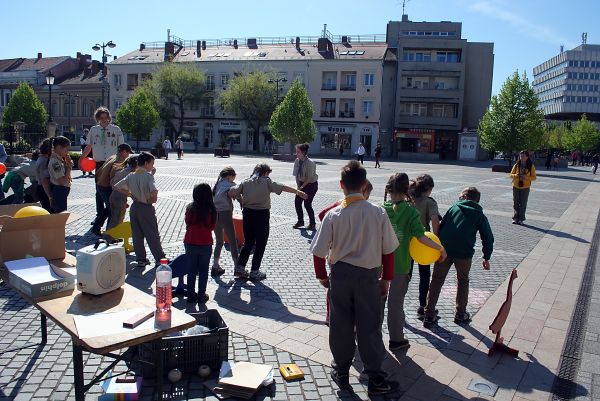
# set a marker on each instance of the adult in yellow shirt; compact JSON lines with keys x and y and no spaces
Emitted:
{"x":522,"y":174}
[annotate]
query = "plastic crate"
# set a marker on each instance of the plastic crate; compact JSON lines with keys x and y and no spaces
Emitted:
{"x":188,"y":353}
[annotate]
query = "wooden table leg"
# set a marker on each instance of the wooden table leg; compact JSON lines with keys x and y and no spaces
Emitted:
{"x":78,"y":371}
{"x":44,"y":329}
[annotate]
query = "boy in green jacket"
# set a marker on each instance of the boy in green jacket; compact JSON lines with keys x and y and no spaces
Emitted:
{"x":457,"y":233}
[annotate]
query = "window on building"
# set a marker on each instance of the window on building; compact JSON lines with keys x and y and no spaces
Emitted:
{"x":413,"y":109}
{"x":369,"y":79}
{"x":208,"y":132}
{"x":408,"y":56}
{"x":329,"y":81}
{"x":367,"y":107}
{"x":349,"y":80}
{"x":87,"y":110}
{"x":328,"y":108}
{"x":250,"y":136}
{"x":210,"y":82}
{"x":132,"y":81}
{"x":146,"y":76}
{"x":224,"y":80}
{"x":299,"y":75}
{"x":118,"y":103}
{"x":117,"y":80}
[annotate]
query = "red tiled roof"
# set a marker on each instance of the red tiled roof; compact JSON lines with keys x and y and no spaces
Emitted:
{"x":5,"y":65}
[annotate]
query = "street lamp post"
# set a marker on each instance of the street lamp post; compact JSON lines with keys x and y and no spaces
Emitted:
{"x":70,"y":112}
{"x":50,"y":81}
{"x":277,"y":81}
{"x":103,"y":46}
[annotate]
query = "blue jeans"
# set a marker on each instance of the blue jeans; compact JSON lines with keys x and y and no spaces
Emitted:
{"x":198,"y":258}
{"x":59,"y":197}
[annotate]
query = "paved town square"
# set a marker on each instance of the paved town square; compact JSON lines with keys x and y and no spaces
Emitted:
{"x":282,"y":319}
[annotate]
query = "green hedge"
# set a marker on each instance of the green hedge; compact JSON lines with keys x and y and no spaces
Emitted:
{"x":75,"y":156}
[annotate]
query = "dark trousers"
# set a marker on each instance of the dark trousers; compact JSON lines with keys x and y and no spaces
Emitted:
{"x":43,"y":197}
{"x":256,"y":233}
{"x":377,"y":157}
{"x":424,"y":278}
{"x":355,"y":301}
{"x":179,"y":153}
{"x":60,"y":194}
{"x":360,"y":158}
{"x":145,"y":226}
{"x":198,"y":259}
{"x":105,"y":196}
{"x":311,"y":190}
{"x":440,"y":271}
{"x":101,"y":212}
{"x":520,"y":197}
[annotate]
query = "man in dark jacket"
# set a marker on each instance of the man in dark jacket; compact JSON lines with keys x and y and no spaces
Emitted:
{"x":458,"y":233}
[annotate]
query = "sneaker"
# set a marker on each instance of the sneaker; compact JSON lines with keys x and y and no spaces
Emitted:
{"x":177,"y":291}
{"x":462,"y":318}
{"x":203,"y":299}
{"x":312,"y":227}
{"x":399,"y":345}
{"x":342,"y":379}
{"x":217,"y":271}
{"x":257,"y":275}
{"x":96,"y":231}
{"x":240,"y":272}
{"x":421,"y":313}
{"x":192,"y":297}
{"x":429,"y":321}
{"x":515,"y":221}
{"x":381,"y":386}
{"x":298,"y":225}
{"x":143,"y":263}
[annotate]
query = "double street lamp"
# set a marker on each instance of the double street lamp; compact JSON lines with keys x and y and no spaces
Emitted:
{"x":50,"y":81}
{"x":276,"y":81}
{"x":103,"y":46}
{"x":70,"y":110}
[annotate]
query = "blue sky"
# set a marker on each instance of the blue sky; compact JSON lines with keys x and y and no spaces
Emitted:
{"x":524,"y":32}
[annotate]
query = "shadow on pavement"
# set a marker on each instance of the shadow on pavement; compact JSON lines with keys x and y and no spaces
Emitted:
{"x":558,"y":234}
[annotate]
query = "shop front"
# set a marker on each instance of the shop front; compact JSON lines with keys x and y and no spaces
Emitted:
{"x":424,"y":144}
{"x":336,"y":139}
{"x":230,"y":135}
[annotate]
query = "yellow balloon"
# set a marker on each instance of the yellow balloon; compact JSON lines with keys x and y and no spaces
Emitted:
{"x":29,"y":211}
{"x":423,"y":254}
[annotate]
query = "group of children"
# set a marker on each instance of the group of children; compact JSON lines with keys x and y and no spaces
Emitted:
{"x":367,"y":247}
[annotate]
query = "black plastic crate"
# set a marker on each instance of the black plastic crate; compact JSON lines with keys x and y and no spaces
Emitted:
{"x":188,"y":353}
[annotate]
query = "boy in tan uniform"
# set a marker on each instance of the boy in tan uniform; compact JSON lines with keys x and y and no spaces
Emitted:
{"x":356,"y":237}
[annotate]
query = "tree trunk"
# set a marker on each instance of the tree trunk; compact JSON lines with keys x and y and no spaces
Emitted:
{"x":256,"y":138}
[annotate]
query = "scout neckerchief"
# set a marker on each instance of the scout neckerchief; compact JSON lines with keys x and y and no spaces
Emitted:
{"x":350,"y":199}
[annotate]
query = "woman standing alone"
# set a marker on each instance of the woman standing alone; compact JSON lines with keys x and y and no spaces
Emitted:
{"x":522,"y":174}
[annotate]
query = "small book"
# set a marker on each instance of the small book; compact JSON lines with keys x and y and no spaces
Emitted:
{"x":291,"y":371}
{"x":138,"y":319}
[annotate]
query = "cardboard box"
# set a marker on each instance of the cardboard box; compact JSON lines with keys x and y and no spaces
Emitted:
{"x":31,"y":236}
{"x":35,"y":277}
{"x":114,"y":390}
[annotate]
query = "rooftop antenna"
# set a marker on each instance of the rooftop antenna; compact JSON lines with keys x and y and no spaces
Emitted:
{"x":562,"y":48}
{"x":168,"y":35}
{"x":584,"y":38}
{"x":404,"y":6}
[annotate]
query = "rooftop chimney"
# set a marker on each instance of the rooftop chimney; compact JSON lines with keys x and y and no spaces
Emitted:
{"x":95,"y":67}
{"x":404,"y":17}
{"x":39,"y":56}
{"x":142,"y":47}
{"x":198,"y":48}
{"x":235,"y":45}
{"x":297,"y":42}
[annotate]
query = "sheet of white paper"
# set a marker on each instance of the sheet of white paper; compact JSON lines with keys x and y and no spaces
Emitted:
{"x":102,"y":324}
{"x":32,"y":270}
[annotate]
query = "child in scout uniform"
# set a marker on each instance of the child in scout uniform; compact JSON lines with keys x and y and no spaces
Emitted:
{"x":406,"y":221}
{"x":140,"y":185}
{"x":458,"y":231}
{"x":356,"y":238}
{"x":59,"y":167}
{"x":118,"y":201}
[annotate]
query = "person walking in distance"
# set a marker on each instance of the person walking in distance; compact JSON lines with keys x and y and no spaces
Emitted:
{"x":377,"y":155}
{"x":167,"y":147}
{"x":179,"y":147}
{"x":83,"y":143}
{"x":360,"y":153}
{"x":305,"y":171}
{"x":103,"y":140}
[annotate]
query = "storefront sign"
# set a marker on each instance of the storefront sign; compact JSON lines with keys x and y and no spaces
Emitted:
{"x":228,"y":125}
{"x":334,"y":129}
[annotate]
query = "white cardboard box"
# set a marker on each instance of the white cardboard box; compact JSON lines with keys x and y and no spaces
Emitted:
{"x":36,"y":277}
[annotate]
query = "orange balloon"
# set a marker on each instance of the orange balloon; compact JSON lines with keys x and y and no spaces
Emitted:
{"x":2,"y":168}
{"x":88,"y":164}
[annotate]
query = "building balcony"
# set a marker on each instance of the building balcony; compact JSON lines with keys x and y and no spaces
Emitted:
{"x":328,"y":113}
{"x":430,"y":122}
{"x":131,"y":87}
{"x":346,"y":114}
{"x":210,"y":87}
{"x":328,"y":87}
{"x":348,"y":87}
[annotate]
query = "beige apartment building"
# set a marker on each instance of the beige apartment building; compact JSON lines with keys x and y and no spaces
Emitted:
{"x":342,"y":75}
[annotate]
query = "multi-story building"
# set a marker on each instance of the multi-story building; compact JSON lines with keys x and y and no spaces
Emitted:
{"x":568,"y":84}
{"x":437,"y":85}
{"x":414,"y":89}
{"x":342,"y":75}
{"x":76,"y":92}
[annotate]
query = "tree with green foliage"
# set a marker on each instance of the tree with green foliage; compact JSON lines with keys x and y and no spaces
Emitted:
{"x":25,"y":106}
{"x":292,"y":120}
{"x":174,"y":88}
{"x":583,"y":136}
{"x":251,"y":97}
{"x":555,"y":137}
{"x":138,"y":116}
{"x":513,"y":121}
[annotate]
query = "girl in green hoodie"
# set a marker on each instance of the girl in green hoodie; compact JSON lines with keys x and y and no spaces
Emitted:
{"x":406,"y":222}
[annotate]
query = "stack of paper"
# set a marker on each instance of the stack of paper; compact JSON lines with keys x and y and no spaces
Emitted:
{"x":241,"y":379}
